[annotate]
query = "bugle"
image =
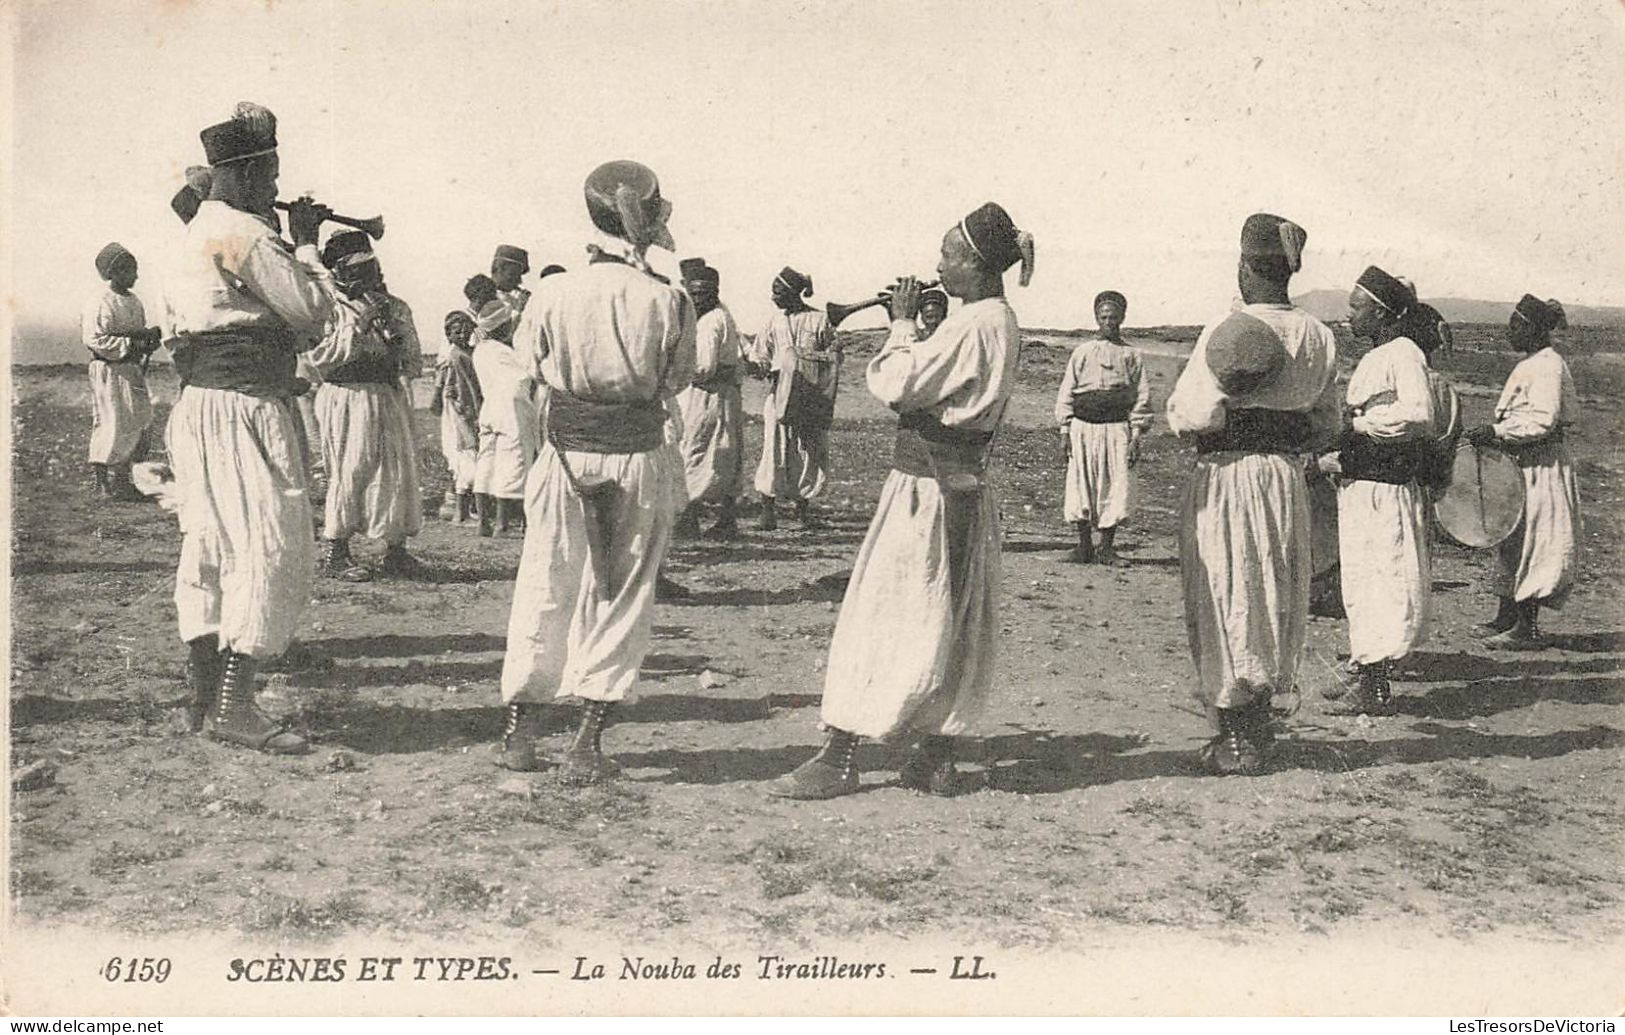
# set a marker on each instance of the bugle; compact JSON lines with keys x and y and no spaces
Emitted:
{"x":374,"y":226}
{"x":838,"y":312}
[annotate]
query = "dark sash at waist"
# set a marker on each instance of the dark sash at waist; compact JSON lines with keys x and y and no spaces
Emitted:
{"x":1366,"y":459}
{"x":1258,"y":431}
{"x":367,"y":370}
{"x":927,"y":448}
{"x":257,"y":365}
{"x":1541,"y":451}
{"x":1104,"y":405}
{"x":586,"y":426}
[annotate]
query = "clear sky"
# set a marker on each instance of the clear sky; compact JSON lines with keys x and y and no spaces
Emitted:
{"x":1474,"y":145}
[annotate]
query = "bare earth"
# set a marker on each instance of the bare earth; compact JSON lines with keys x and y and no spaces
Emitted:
{"x":1489,"y":808}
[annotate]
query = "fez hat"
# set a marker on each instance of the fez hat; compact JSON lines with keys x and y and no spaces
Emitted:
{"x":993,"y":236}
{"x":1265,"y":235}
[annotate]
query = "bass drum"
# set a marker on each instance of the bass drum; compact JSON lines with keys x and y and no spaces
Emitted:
{"x":1323,"y":541}
{"x":1484,"y":502}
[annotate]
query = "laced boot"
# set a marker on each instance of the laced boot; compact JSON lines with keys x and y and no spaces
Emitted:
{"x":1107,"y":554}
{"x":237,"y":720}
{"x":1506,"y":616}
{"x":400,"y":564}
{"x":829,"y":774}
{"x":204,"y":667}
{"x":1084,"y":552}
{"x":465,"y":507}
{"x":769,"y":521}
{"x":727,"y":526}
{"x":1231,"y":752}
{"x":1261,"y":723}
{"x":120,"y":487}
{"x":519,"y":737}
{"x":488,"y":515}
{"x":99,"y":472}
{"x":336,"y":562}
{"x":584,"y":761}
{"x":1372,"y":694}
{"x":805,"y":516}
{"x":930,"y":767}
{"x":1524,"y":633}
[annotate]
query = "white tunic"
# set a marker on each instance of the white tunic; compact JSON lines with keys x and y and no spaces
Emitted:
{"x":121,"y":410}
{"x":795,"y":457}
{"x":1099,"y":482}
{"x":607,"y":333}
{"x":1382,"y":528}
{"x":1539,"y":560}
{"x":1244,"y":532}
{"x":913,"y":648}
{"x":711,"y":411}
{"x":248,"y":555}
{"x":509,"y":433}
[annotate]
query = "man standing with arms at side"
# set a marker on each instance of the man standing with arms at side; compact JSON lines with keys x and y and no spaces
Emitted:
{"x":711,"y":409}
{"x":614,"y":343}
{"x":243,"y":308}
{"x":1258,"y":392}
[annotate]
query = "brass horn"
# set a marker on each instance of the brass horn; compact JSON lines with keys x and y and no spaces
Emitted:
{"x":374,"y":226}
{"x":838,"y":313}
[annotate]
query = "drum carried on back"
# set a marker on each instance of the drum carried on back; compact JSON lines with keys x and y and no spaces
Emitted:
{"x":1484,"y":501}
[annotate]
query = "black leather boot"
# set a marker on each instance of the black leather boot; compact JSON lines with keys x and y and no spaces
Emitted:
{"x":769,"y":521}
{"x":829,"y":774}
{"x":465,"y":507}
{"x":1506,"y":616}
{"x":488,"y":515}
{"x":1372,"y":694}
{"x":584,"y":761}
{"x":337,"y":563}
{"x":519,"y":737}
{"x":930,"y":767}
{"x":1232,"y":753}
{"x":1524,"y":633}
{"x":99,"y":472}
{"x":1084,"y":552}
{"x":727,"y":526}
{"x":399,"y":564}
{"x":1107,"y":554}
{"x":237,"y":720}
{"x":204,"y":667}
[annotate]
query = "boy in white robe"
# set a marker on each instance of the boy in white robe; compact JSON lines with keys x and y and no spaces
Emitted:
{"x":798,"y":355}
{"x":1536,"y":565}
{"x":711,"y":410}
{"x":509,"y":433}
{"x":1382,"y":507}
{"x":1258,"y":392}
{"x":1104,"y":409}
{"x":912,"y":653}
{"x":614,"y":343}
{"x":243,"y":306}
{"x":367,"y":360}
{"x":120,"y":341}
{"x":457,"y":402}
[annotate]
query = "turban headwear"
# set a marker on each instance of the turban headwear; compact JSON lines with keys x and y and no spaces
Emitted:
{"x":623,"y":199}
{"x":1539,"y":315}
{"x":1386,"y":290}
{"x":934,"y":295}
{"x":346,"y":249}
{"x":993,"y":236}
{"x":1244,"y":353}
{"x":249,"y":133}
{"x":1264,"y":235}
{"x":110,"y":257}
{"x":1112,"y":296}
{"x":514,"y":254}
{"x":798,"y":283}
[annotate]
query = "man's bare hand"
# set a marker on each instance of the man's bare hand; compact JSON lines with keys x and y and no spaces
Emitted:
{"x":305,"y":220}
{"x":905,"y":299}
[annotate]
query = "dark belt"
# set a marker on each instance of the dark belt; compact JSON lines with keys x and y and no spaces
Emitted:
{"x":1366,"y":459}
{"x":927,"y":448}
{"x":379,"y":370}
{"x":261,"y":366}
{"x":1541,"y":451}
{"x":1258,"y":431}
{"x":586,"y":426}
{"x":1104,"y":405}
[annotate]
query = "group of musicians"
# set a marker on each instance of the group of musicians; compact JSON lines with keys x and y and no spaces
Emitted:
{"x":639,"y":427}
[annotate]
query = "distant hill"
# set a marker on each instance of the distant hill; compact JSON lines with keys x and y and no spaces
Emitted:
{"x":1331,"y":305}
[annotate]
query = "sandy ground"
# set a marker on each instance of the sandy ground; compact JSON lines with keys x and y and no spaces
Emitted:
{"x":1486,"y":813}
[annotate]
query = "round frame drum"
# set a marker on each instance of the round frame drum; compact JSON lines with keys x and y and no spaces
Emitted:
{"x":1484,"y":502}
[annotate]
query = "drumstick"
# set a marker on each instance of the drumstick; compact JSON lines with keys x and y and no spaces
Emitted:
{"x":1478,"y":470}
